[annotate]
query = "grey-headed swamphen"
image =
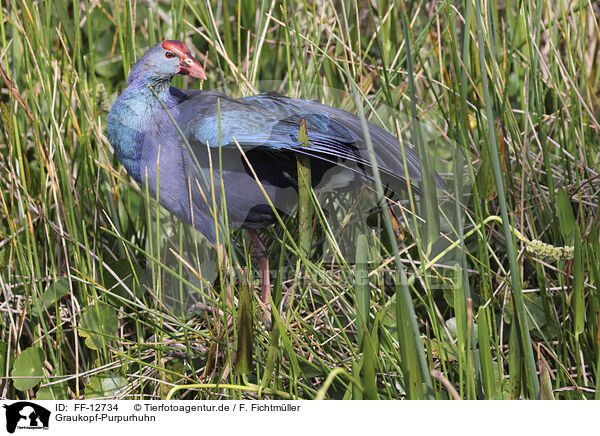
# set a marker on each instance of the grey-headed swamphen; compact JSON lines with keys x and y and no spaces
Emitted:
{"x":266,"y":128}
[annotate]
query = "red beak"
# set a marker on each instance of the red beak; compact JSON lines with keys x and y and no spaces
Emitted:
{"x":191,"y":67}
{"x":188,"y":66}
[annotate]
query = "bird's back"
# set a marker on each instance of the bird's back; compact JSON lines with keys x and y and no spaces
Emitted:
{"x":271,"y":122}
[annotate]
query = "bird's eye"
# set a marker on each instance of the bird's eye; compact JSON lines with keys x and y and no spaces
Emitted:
{"x":169,"y":55}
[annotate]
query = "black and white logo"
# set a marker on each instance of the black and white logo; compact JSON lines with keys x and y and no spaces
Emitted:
{"x":26,"y":415}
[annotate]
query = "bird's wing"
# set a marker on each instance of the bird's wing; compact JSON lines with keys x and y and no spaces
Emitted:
{"x":388,"y":151}
{"x":271,"y":122}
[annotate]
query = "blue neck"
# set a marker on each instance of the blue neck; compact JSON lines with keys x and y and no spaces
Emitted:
{"x":131,"y":115}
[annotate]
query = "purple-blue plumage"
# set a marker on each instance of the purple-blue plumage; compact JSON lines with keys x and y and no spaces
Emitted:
{"x":266,"y":128}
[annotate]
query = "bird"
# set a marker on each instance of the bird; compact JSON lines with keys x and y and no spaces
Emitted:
{"x":200,"y":147}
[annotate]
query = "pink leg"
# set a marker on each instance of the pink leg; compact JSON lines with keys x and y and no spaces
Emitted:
{"x":260,"y":251}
